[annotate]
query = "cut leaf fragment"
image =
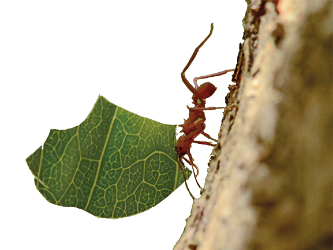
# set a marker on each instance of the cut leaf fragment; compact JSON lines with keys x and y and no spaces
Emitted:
{"x":114,"y":164}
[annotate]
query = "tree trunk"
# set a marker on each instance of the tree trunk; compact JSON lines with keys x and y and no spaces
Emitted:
{"x":269,"y":184}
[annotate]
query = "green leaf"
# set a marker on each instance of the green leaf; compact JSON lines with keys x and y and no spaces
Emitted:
{"x":114,"y":164}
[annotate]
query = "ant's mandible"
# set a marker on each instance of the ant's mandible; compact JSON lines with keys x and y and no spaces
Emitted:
{"x":195,"y":124}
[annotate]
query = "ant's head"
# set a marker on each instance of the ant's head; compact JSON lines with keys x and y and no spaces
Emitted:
{"x":180,"y":150}
{"x":181,"y":147}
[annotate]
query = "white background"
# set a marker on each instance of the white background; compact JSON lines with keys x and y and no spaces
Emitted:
{"x":56,"y":57}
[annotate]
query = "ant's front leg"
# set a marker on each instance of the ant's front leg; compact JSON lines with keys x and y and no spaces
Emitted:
{"x":195,"y":175}
{"x":181,"y":168}
{"x":195,"y":166}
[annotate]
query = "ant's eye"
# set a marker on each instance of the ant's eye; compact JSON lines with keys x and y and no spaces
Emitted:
{"x":180,"y":148}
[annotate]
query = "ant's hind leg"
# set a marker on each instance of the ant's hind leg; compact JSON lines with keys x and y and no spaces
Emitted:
{"x":185,"y":81}
{"x":210,"y":75}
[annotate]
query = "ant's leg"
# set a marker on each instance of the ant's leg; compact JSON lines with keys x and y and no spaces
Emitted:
{"x":213,"y":108}
{"x":185,"y":81}
{"x":202,"y":108}
{"x":231,"y":107}
{"x":193,"y":165}
{"x":205,"y":143}
{"x":208,"y":136}
{"x":210,"y":75}
{"x":185,"y":179}
{"x":187,"y":140}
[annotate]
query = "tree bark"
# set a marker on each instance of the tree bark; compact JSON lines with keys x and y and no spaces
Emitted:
{"x":269,"y":185}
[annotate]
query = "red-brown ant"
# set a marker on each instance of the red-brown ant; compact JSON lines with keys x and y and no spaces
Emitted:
{"x":195,"y":124}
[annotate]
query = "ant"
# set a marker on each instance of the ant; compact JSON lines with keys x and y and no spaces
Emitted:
{"x":195,"y":124}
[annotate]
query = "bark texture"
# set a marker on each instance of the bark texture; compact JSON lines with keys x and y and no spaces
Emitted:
{"x":270,"y":181}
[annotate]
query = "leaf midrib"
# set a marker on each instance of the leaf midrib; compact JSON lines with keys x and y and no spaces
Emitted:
{"x":102,"y":154}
